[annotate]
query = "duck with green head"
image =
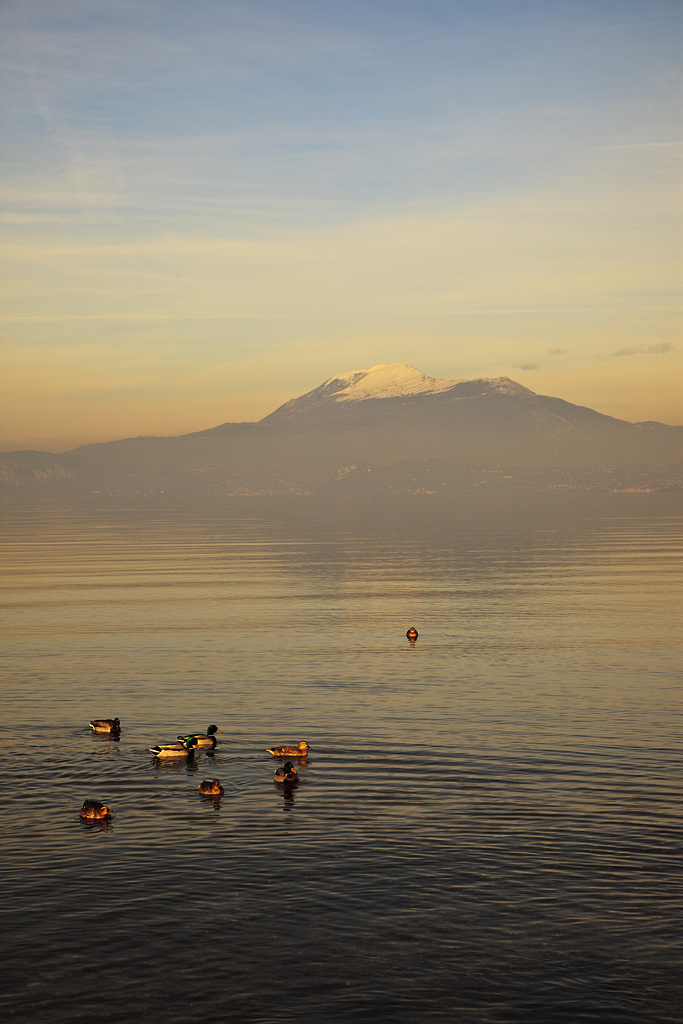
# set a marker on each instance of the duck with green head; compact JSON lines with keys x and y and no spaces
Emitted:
{"x":286,"y":773}
{"x":205,"y":739}
{"x":184,"y":749}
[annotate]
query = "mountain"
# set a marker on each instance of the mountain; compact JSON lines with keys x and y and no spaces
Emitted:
{"x":398,"y":380}
{"x":346,"y":398}
{"x":390,"y":429}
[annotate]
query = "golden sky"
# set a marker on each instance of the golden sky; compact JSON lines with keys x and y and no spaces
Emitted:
{"x":211,"y":208}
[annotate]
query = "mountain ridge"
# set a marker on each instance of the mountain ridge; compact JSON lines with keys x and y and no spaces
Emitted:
{"x":391,"y":429}
{"x":384,"y":383}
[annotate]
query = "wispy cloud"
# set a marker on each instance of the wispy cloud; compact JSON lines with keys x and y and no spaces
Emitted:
{"x":308,"y":186}
{"x":93,"y":165}
{"x":658,"y":349}
{"x":433,"y":263}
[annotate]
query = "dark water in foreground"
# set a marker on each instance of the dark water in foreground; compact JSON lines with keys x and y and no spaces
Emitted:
{"x":489,"y":826}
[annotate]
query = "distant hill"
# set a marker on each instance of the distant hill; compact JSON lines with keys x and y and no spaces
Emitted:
{"x":388,"y":430}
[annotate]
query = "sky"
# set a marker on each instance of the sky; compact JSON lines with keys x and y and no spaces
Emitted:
{"x":211,"y":207}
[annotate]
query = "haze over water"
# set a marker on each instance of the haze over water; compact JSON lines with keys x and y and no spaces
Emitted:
{"x":488,"y":827}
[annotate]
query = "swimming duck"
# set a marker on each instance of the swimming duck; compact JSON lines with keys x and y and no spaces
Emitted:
{"x":412,"y":633}
{"x":300,"y":750}
{"x":286,"y":773}
{"x":94,"y":809}
{"x":205,"y":739}
{"x":105,"y":725}
{"x":184,"y":749}
{"x":207,"y":788}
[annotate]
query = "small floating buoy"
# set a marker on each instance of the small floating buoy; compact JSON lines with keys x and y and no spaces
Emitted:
{"x":412,"y":633}
{"x":211,"y":788}
{"x":95,"y":809}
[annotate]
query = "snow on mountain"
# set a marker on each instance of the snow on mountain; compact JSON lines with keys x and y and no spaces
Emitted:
{"x":394,"y":380}
{"x":480,"y":386}
{"x":398,"y":380}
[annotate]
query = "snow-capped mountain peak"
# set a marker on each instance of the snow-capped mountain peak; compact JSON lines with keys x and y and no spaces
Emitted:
{"x":391,"y":381}
{"x":394,"y":380}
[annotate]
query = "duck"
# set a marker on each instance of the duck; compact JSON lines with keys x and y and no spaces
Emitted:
{"x":205,"y":739}
{"x":286,"y":773}
{"x":95,"y":809}
{"x":208,"y":788}
{"x":105,"y":725}
{"x":184,"y":749}
{"x":300,"y":750}
{"x":412,"y":633}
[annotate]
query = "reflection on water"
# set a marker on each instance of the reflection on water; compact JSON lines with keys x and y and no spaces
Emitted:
{"x":96,"y":824}
{"x":175,"y":764}
{"x":488,"y":827}
{"x":214,"y":800}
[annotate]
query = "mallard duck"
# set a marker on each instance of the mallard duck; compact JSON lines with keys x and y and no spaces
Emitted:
{"x":412,"y":633}
{"x":300,"y":750}
{"x":286,"y":773}
{"x":208,"y":788}
{"x":184,"y":749}
{"x":94,"y":809}
{"x":205,"y":739}
{"x":105,"y":725}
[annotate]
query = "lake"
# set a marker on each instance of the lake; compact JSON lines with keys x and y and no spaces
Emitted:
{"x":488,"y":827}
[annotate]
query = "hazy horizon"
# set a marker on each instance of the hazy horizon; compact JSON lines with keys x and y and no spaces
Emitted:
{"x":210,"y":426}
{"x":209,"y":209}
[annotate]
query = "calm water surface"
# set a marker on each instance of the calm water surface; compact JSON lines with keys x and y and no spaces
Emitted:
{"x":488,"y":827}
